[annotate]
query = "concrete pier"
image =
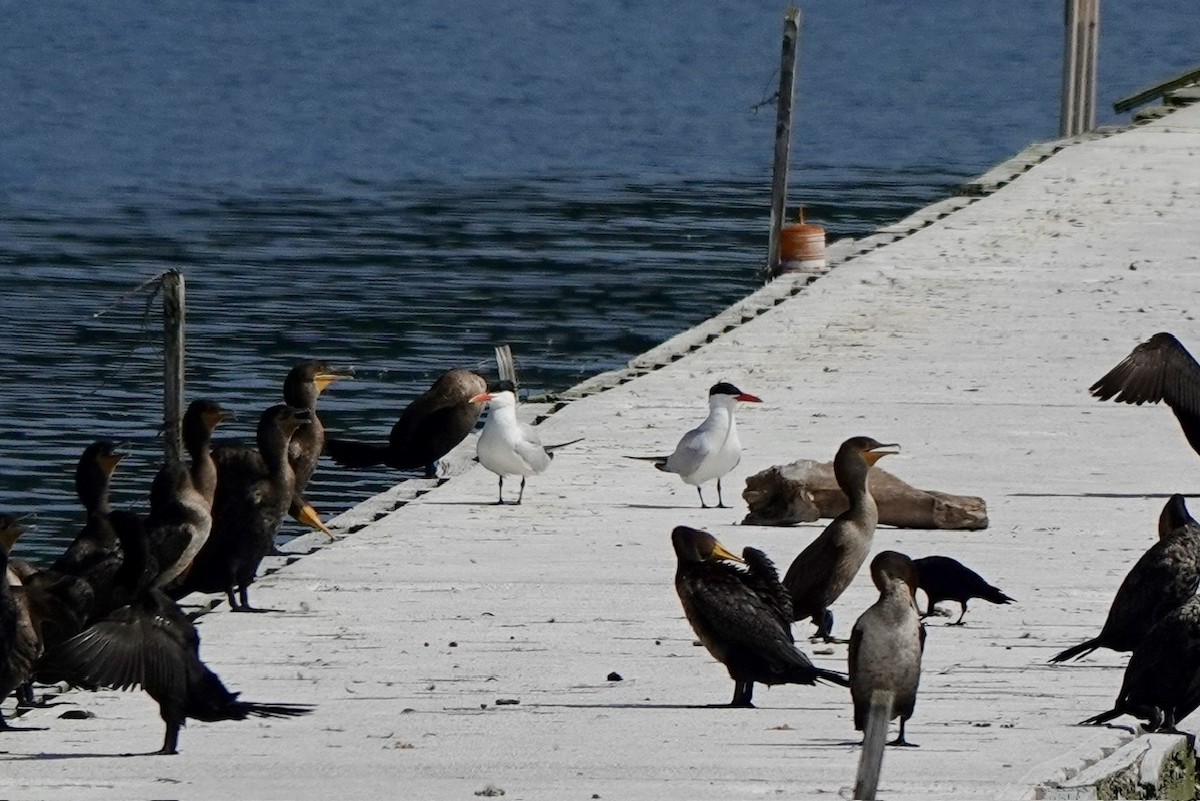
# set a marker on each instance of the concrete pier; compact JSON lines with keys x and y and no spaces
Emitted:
{"x":456,"y":649}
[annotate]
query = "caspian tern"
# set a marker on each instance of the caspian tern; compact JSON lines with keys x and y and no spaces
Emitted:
{"x":509,"y":447}
{"x":711,"y":449}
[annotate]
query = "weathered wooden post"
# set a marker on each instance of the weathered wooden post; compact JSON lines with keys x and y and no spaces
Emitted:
{"x":783,"y":132}
{"x":173,"y":380}
{"x":1081,"y":25}
{"x":870,"y":761}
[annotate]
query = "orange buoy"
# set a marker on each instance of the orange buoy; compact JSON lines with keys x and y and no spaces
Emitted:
{"x":801,"y":247}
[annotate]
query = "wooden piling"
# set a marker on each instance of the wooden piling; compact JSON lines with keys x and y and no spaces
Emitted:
{"x":1081,"y":24}
{"x":870,"y":761}
{"x":173,"y":379}
{"x":783,"y":132}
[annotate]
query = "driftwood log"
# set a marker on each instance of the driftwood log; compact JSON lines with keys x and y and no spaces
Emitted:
{"x":804,"y":491}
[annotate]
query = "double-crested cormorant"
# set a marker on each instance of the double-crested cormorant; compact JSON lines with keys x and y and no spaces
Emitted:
{"x":946,"y":579}
{"x":509,"y":447}
{"x":1159,"y":369}
{"x":1160,"y":680}
{"x":181,"y":498}
{"x":20,"y":645}
{"x":742,"y":616}
{"x":97,"y":541}
{"x":151,"y":644}
{"x":826,"y":567}
{"x":1165,"y":576}
{"x":254,"y":491}
{"x":304,"y":384}
{"x":887,"y":642}
{"x":711,"y":449}
{"x":427,"y":430}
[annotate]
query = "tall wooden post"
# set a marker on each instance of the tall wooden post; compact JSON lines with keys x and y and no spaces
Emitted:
{"x":173,"y":382}
{"x":783,"y":132}
{"x":1081,"y":26}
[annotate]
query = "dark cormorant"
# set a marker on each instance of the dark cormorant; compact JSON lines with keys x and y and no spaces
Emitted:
{"x":151,"y":644}
{"x":427,"y":430}
{"x":946,"y":579}
{"x":509,"y":447}
{"x":1163,"y":578}
{"x":1159,"y":369}
{"x":742,"y":616}
{"x":20,"y":645}
{"x":97,"y":541}
{"x":181,"y":498}
{"x":826,"y":567}
{"x":1160,"y":683}
{"x":887,"y":642}
{"x":254,"y":491}
{"x":711,"y":449}
{"x":304,"y":384}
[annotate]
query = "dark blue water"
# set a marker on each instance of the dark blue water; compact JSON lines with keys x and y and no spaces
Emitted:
{"x":400,"y":186}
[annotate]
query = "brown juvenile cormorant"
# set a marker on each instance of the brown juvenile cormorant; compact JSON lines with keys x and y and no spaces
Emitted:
{"x":887,"y":642}
{"x":254,"y":491}
{"x":304,"y":384}
{"x":946,"y":579}
{"x":1159,"y":369}
{"x":151,"y":644}
{"x":711,"y":449}
{"x":742,"y":616}
{"x":1163,"y":578}
{"x":20,"y":645}
{"x":508,"y":446}
{"x":826,"y":567}
{"x":181,"y":497}
{"x":427,"y":430}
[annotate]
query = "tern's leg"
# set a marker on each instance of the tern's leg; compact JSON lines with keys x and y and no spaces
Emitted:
{"x":720,"y":500}
{"x":521,"y":494}
{"x":700,"y":492}
{"x":501,"y":500}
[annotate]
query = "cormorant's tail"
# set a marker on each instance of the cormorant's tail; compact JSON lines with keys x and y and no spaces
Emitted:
{"x":274,"y":710}
{"x":832,"y":676}
{"x":349,"y":453}
{"x":1103,"y":717}
{"x":1076,"y":651}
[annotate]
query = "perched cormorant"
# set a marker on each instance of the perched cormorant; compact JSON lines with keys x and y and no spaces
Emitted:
{"x":254,"y":491}
{"x":181,"y":498}
{"x":97,"y":541}
{"x":826,"y":567}
{"x":20,"y":645}
{"x":1159,"y":369}
{"x":151,"y":644}
{"x":1163,"y":578}
{"x":946,"y":579}
{"x":1160,"y":680}
{"x":304,"y":384}
{"x":509,"y":447}
{"x":711,"y":449}
{"x":887,"y":642}
{"x":743,"y":617}
{"x":427,"y":430}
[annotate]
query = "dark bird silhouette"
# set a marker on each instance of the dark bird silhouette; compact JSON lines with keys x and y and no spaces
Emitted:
{"x":743,"y":617}
{"x":1160,"y":684}
{"x":181,"y":498}
{"x":304,"y":384}
{"x":151,"y":644}
{"x":97,"y":541}
{"x":427,"y":430}
{"x":1163,"y":578}
{"x":254,"y":492}
{"x":824,"y":569}
{"x":946,"y":579}
{"x":887,"y":643}
{"x":710,"y":450}
{"x":1159,"y":369}
{"x":20,"y":644}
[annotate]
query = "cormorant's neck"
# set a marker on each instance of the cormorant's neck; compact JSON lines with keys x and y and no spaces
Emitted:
{"x":273,"y":446}
{"x":852,"y":478}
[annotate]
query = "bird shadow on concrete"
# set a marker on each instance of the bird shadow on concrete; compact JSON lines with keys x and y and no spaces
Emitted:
{"x":49,"y":756}
{"x":1113,"y":495}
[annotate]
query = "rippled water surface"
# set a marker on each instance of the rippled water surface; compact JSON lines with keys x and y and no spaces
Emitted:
{"x":400,"y":186}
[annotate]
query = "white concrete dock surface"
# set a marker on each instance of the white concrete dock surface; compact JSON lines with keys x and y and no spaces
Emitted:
{"x":971,"y":342}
